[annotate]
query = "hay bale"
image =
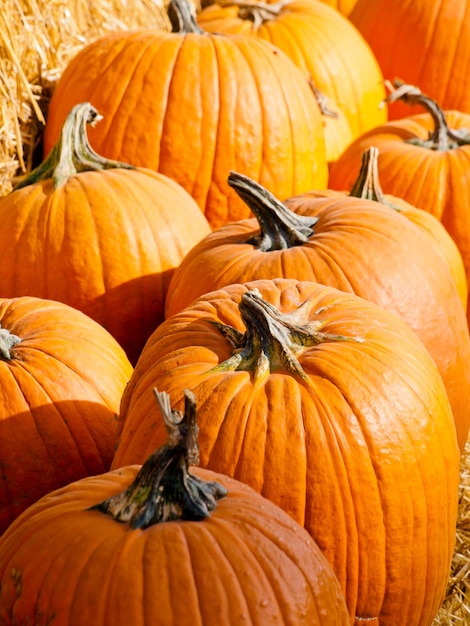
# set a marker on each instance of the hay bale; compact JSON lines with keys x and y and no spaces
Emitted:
{"x":456,"y":606}
{"x":37,"y":39}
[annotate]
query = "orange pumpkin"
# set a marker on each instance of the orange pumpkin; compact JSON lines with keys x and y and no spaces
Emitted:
{"x":101,"y":236}
{"x":166,"y":545}
{"x":353,"y":244}
{"x":424,"y":42}
{"x":343,"y":6}
{"x":423,"y":159}
{"x":194,"y":105}
{"x":368,"y":186}
{"x":61,"y":378}
{"x":332,"y":408}
{"x":326,"y":47}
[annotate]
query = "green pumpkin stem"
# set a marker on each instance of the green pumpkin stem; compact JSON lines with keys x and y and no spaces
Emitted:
{"x":72,"y":153}
{"x":182,"y":16}
{"x":272,"y":339}
{"x":441,"y":137}
{"x":7,"y":342}
{"x":280,"y":228}
{"x":164,"y":490}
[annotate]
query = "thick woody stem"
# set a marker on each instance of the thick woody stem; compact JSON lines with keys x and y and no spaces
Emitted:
{"x":441,"y":137}
{"x":164,"y":490}
{"x":280,"y":228}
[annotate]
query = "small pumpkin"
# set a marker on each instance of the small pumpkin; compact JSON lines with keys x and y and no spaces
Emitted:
{"x":423,"y":159}
{"x":99,"y":235}
{"x":352,"y":244}
{"x":193,"y":105}
{"x":62,"y":376}
{"x":331,"y":407}
{"x":325,"y":46}
{"x":167,"y":545}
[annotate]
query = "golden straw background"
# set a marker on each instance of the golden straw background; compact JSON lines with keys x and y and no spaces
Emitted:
{"x":37,"y":38}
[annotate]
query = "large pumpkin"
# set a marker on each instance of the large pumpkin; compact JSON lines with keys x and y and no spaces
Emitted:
{"x":194,"y":105}
{"x":326,"y":47}
{"x":424,"y":159}
{"x":423,"y":42}
{"x":164,"y":545}
{"x":99,"y":235}
{"x":332,"y":408}
{"x":353,"y":244}
{"x":62,"y":376}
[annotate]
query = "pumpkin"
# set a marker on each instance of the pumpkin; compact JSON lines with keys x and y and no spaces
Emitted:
{"x":424,"y":43}
{"x":101,"y":236}
{"x":353,"y":244}
{"x":331,"y":407}
{"x":423,"y":159}
{"x":325,"y":46}
{"x":343,"y":6}
{"x":193,"y":105}
{"x":61,"y":378}
{"x":368,"y":186}
{"x":167,"y":545}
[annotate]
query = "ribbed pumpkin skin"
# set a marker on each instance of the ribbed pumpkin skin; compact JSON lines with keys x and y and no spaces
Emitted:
{"x":104,"y":242}
{"x":195,"y":106}
{"x":441,"y":239}
{"x":60,"y":394}
{"x":435,"y":181}
{"x":324,"y":45}
{"x":247,"y":563}
{"x":423,"y":43}
{"x":360,"y":247}
{"x":350,"y":459}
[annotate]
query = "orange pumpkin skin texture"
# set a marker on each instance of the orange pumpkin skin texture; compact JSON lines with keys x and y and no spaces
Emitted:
{"x":357,"y":246}
{"x":432,"y":180}
{"x":193,"y":107}
{"x":346,"y":451}
{"x":367,"y":185}
{"x":343,"y":6}
{"x":248,"y":562}
{"x":424,"y":43}
{"x":61,"y":387}
{"x":105,"y":242}
{"x":327,"y":48}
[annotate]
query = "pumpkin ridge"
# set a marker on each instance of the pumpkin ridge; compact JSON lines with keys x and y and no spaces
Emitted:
{"x":263,"y":104}
{"x":194,"y":549}
{"x":121,"y":88}
{"x":79,"y":450}
{"x":217,"y":42}
{"x":232,"y":461}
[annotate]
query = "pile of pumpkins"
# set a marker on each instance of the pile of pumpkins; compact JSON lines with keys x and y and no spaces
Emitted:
{"x":256,"y":229}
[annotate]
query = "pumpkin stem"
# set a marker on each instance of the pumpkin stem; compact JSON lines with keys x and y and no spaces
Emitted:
{"x":256,"y":12}
{"x":280,"y":228}
{"x":272,"y":339}
{"x":323,"y":101}
{"x":182,"y":16}
{"x":164,"y":490}
{"x":7,"y":342}
{"x":442,"y":137}
{"x":72,"y":153}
